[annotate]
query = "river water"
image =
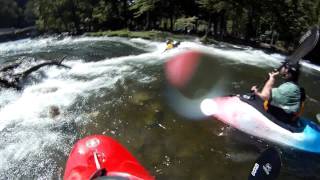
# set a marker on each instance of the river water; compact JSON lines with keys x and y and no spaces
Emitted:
{"x":116,"y":87}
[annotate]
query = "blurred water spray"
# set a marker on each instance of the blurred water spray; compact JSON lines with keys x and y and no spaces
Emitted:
{"x":190,"y":80}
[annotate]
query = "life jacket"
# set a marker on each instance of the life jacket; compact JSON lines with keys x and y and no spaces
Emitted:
{"x":169,"y":46}
{"x":293,"y":116}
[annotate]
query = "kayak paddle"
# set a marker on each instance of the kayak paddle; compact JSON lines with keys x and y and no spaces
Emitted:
{"x":267,"y":166}
{"x":307,"y":42}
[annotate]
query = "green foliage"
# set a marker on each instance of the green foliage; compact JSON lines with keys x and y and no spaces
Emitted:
{"x":186,"y":23}
{"x":28,"y":14}
{"x":141,"y":7}
{"x":213,"y":5}
{"x":244,"y":19}
{"x":100,"y":12}
{"x":9,"y":13}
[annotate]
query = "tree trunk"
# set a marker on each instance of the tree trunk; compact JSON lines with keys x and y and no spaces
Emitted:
{"x":237,"y":26}
{"x":10,"y":80}
{"x":171,"y":23}
{"x":209,"y":26}
{"x":35,"y":68}
{"x":165,"y":24}
{"x":196,"y":26}
{"x":125,"y":14}
{"x":75,"y":18}
{"x":223,"y":24}
{"x":249,"y":28}
{"x":215,"y":24}
{"x":147,"y":26}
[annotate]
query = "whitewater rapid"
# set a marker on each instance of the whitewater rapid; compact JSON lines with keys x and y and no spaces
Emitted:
{"x":30,"y":139}
{"x":28,"y":134}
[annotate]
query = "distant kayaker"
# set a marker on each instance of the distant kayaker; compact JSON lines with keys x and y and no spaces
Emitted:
{"x":171,"y":44}
{"x":176,"y":44}
{"x":285,"y":102}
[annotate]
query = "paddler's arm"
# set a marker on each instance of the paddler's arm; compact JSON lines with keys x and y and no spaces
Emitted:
{"x":266,"y":91}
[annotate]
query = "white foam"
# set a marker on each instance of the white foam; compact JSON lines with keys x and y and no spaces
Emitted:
{"x":24,"y":117}
{"x":40,"y":44}
{"x":308,"y":65}
{"x":245,"y":55}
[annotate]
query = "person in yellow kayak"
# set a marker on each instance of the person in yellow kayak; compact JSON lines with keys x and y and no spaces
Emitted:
{"x":171,"y":44}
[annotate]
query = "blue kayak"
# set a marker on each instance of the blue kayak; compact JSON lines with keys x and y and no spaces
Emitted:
{"x":248,"y":116}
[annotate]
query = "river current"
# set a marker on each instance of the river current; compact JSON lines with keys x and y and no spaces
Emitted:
{"x":116,"y":87}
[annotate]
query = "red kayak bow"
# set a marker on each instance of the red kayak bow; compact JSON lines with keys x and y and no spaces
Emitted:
{"x":100,"y":156}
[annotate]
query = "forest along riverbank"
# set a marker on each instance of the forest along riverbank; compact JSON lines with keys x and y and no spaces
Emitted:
{"x":115,"y":87}
{"x":163,"y":36}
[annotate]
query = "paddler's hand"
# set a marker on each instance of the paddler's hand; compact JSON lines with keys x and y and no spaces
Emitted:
{"x":273,"y":74}
{"x":254,"y":89}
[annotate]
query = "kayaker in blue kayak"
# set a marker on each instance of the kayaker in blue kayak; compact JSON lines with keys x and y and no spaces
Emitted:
{"x":285,"y":102}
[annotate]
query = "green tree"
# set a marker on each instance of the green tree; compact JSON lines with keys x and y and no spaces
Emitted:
{"x":9,"y":13}
{"x":248,"y":19}
{"x":28,"y":14}
{"x":145,"y":9}
{"x":215,"y":12}
{"x":110,"y":14}
{"x":292,"y":18}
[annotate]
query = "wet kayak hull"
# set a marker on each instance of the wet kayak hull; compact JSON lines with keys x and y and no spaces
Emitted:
{"x":243,"y":116}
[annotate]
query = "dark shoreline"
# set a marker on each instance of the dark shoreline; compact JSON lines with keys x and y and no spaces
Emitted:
{"x":31,"y":32}
{"x":12,"y":34}
{"x":258,"y":45}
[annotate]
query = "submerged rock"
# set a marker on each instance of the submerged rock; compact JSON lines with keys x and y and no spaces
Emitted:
{"x":93,"y":114}
{"x":46,"y":90}
{"x":54,"y":111}
{"x":149,"y":118}
{"x":66,"y":127}
{"x":139,"y":98}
